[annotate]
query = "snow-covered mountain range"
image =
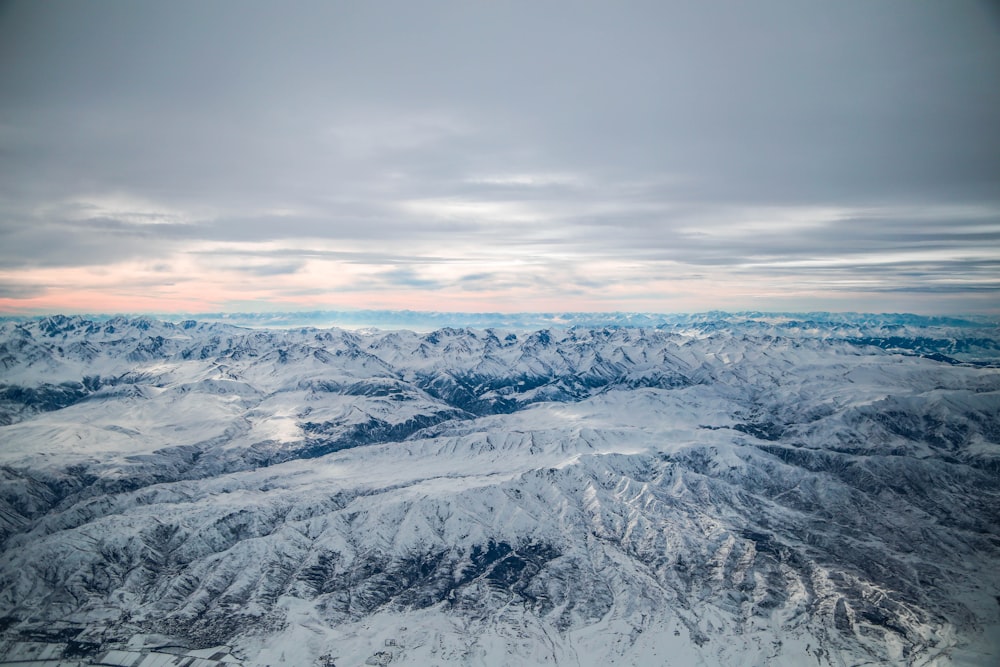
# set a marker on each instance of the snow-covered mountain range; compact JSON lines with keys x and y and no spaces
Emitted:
{"x":712,"y":490}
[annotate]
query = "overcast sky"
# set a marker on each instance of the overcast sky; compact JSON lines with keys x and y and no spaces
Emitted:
{"x":500,"y":156}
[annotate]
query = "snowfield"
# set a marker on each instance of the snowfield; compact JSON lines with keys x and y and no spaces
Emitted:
{"x":720,"y":490}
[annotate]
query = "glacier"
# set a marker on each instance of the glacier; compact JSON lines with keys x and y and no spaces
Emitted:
{"x":718,"y":489}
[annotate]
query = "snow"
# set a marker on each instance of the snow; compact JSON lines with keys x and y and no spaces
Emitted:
{"x":747,"y":491}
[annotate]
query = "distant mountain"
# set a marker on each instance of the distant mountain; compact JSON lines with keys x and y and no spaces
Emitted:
{"x":429,"y":321}
{"x":699,"y":489}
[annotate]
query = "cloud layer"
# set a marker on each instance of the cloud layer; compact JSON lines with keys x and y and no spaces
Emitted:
{"x":499,"y":157}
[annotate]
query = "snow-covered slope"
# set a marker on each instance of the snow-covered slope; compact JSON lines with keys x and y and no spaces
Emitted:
{"x":724,"y":490}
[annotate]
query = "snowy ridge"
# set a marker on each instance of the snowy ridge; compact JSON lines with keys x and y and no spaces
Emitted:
{"x":730,"y":491}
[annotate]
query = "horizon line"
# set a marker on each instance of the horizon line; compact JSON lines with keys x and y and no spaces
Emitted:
{"x":380,"y":318}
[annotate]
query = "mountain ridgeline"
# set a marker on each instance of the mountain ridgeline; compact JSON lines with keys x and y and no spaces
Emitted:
{"x":726,"y":489}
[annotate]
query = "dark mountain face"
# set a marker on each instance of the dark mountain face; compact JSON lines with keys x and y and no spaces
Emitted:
{"x":723,"y":490}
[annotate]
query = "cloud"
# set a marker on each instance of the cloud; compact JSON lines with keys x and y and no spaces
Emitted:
{"x":16,"y":291}
{"x":377,"y":135}
{"x":657,"y":157}
{"x":272,"y":269}
{"x":522,"y":181}
{"x":409,"y":278}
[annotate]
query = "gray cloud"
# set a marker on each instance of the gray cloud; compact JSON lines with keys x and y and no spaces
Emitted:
{"x":54,"y":244}
{"x":409,"y":278}
{"x":13,"y":291}
{"x":406,"y":135}
{"x":272,"y":269}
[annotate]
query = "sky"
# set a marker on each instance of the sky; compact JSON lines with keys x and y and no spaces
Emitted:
{"x":500,"y":156}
